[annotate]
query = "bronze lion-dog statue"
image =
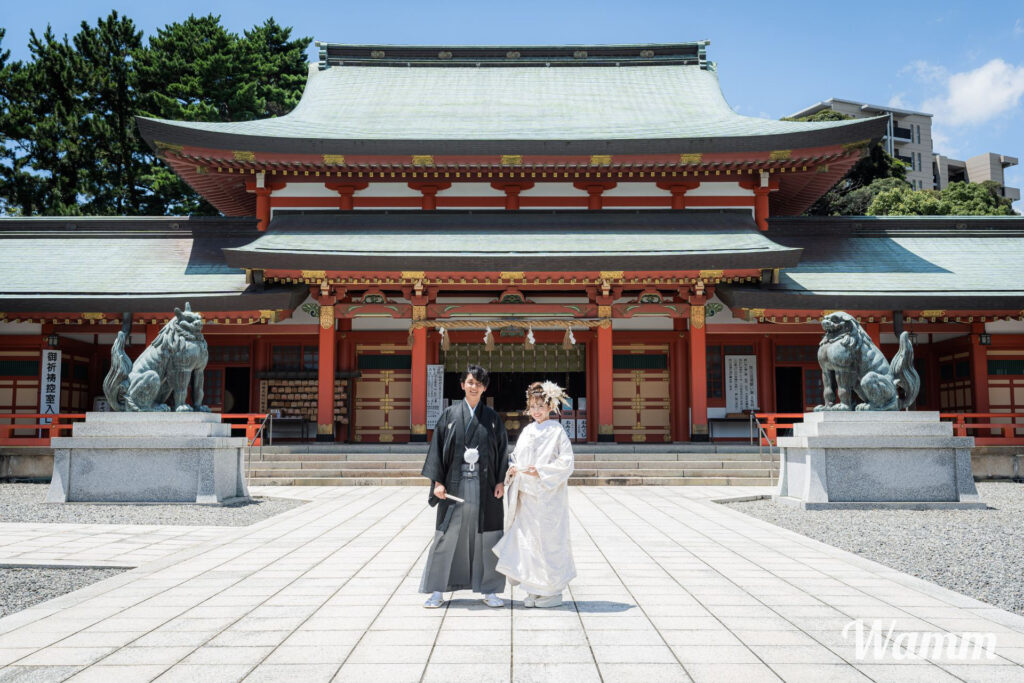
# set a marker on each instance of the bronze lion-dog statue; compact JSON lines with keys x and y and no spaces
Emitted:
{"x":175,"y":360}
{"x":852,"y":365}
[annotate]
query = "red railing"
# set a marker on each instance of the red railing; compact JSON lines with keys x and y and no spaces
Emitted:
{"x":39,"y":432}
{"x":1001,"y":433}
{"x":772,"y":422}
{"x":251,"y":425}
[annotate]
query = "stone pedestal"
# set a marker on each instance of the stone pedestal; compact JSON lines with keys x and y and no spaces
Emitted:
{"x":904,"y":460}
{"x":149,"y":458}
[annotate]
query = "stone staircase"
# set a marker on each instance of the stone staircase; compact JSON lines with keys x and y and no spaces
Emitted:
{"x":596,"y":465}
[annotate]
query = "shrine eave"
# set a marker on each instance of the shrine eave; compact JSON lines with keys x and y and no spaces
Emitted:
{"x":514,"y":241}
{"x":894,"y":263}
{"x":162,"y":135}
{"x":740,"y":296}
{"x":277,"y":298}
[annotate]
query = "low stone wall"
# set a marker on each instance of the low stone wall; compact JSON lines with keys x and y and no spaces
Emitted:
{"x":998,"y":463}
{"x":988,"y":463}
{"x":26,"y":463}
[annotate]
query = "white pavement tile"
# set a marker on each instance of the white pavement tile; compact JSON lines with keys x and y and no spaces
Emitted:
{"x":331,"y":588}
{"x":644,"y":673}
{"x":117,"y":674}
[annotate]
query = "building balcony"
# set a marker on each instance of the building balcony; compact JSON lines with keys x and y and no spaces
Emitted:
{"x":1011,"y":193}
{"x":909,"y":161}
{"x":902,"y":134}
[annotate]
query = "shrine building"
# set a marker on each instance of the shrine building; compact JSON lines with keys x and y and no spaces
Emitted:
{"x":593,"y":215}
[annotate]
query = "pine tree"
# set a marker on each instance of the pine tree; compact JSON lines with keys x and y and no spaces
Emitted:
{"x":115,"y":178}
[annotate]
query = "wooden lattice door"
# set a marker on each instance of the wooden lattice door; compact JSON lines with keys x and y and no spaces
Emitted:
{"x":383,"y":394}
{"x":641,"y":404}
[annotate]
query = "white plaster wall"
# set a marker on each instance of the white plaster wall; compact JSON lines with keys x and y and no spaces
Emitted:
{"x":652,"y":323}
{"x":1005,"y":327}
{"x":723,"y":189}
{"x":724,"y":316}
{"x":471,"y":190}
{"x":624,"y":189}
{"x":552,"y":190}
{"x":388,"y":190}
{"x":20,"y":328}
{"x":366,"y":323}
{"x":304,"y":190}
{"x":321,"y":209}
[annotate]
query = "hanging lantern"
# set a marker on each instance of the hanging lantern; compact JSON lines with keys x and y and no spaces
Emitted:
{"x":446,"y":340}
{"x":530,"y":340}
{"x":489,"y":339}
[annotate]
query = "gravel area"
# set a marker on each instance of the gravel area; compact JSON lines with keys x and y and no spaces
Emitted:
{"x":26,"y":503}
{"x":978,"y":553}
{"x":20,"y":588}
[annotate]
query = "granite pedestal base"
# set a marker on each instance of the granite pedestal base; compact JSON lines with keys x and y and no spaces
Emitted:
{"x":149,"y":458}
{"x":876,"y":460}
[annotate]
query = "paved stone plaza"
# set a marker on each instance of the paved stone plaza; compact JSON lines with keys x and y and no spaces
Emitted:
{"x":671,"y":587}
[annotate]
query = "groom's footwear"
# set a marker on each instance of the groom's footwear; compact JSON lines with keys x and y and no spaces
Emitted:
{"x":548,"y":601}
{"x":530,"y":600}
{"x":434,"y":601}
{"x":492,"y":600}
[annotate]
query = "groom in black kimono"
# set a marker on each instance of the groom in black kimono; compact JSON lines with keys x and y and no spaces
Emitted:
{"x":468,"y":458}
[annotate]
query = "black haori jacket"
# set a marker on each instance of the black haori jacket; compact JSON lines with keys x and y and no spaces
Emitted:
{"x":486,"y":432}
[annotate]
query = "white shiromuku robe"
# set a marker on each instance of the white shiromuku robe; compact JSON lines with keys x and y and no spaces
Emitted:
{"x":535,"y":551}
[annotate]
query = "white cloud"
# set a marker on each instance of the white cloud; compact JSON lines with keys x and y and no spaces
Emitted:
{"x":944,"y":144}
{"x":1018,"y":28}
{"x":896,"y":101}
{"x":926,"y":72}
{"x":974,"y":97}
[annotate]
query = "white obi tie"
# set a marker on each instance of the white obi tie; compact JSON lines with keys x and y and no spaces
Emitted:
{"x":471,"y":456}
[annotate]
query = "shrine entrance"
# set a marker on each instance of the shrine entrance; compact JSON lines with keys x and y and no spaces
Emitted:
{"x":512,"y":368}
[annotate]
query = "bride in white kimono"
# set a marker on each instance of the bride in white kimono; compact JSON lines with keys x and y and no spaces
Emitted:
{"x":535,"y":550}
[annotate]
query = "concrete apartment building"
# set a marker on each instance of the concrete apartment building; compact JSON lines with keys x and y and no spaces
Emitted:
{"x":909,"y":138}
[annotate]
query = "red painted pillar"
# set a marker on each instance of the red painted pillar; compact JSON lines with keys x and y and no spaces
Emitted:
{"x":979,"y":370}
{"x":325,"y":372}
{"x":418,"y":407}
{"x":263,"y":207}
{"x":346,"y":193}
{"x":761,"y":207}
{"x":680,"y":390}
{"x":605,"y":422}
{"x":594,"y":190}
{"x":698,"y":372}
{"x":151,"y":332}
{"x":679,"y":190}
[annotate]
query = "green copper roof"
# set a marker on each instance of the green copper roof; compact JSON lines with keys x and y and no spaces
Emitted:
{"x":593,"y":98}
{"x":507,"y":240}
{"x":126,"y":264}
{"x":895,"y":263}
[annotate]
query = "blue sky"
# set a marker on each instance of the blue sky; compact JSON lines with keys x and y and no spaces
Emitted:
{"x":962,"y":62}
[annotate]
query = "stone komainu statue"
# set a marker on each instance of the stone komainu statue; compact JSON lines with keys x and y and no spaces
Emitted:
{"x":852,"y":364}
{"x":175,"y":359}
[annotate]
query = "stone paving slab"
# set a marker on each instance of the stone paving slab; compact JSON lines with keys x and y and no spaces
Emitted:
{"x":671,"y":587}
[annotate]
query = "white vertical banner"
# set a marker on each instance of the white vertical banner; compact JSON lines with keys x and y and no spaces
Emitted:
{"x":435,"y":394}
{"x":49,"y":384}
{"x":570,"y":428}
{"x":740,"y":383}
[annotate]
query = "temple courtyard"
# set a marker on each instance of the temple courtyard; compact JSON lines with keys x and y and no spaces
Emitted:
{"x":672,"y":586}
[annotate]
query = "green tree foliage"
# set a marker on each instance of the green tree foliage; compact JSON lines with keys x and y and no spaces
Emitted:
{"x":958,"y":199}
{"x":874,"y":173}
{"x":823,"y":115}
{"x":70,"y":142}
